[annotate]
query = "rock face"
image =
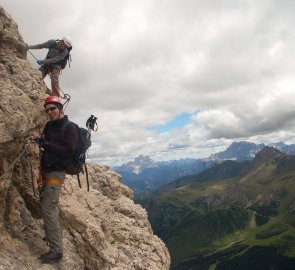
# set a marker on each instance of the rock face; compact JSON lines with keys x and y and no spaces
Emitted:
{"x":102,"y":229}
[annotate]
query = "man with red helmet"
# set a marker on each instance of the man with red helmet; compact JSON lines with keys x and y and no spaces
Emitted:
{"x":58,"y":145}
{"x":56,"y":59}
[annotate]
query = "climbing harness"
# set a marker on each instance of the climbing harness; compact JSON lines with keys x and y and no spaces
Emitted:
{"x":41,"y":180}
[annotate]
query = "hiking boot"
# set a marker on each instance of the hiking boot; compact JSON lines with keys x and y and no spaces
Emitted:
{"x":51,"y":257}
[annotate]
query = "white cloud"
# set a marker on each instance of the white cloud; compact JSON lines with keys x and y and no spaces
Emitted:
{"x":140,"y":63}
{"x":220,"y":123}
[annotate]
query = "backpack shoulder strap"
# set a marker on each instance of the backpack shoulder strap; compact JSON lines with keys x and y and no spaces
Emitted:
{"x":65,"y":126}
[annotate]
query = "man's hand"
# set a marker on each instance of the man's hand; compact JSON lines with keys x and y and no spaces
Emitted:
{"x":40,"y":62}
{"x":40,"y":142}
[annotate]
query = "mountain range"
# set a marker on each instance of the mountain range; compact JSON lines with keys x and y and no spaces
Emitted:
{"x":233,"y":215}
{"x":144,"y":174}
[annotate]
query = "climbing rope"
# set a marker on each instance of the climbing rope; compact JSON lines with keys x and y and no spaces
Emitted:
{"x":32,"y":55}
{"x":13,"y":163}
{"x":25,"y":151}
{"x":32,"y":175}
{"x":65,"y":95}
{"x":65,"y":105}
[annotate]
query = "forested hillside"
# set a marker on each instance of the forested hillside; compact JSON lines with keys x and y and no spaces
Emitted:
{"x":220,"y":218}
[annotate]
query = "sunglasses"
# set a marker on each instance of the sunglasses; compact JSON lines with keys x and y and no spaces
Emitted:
{"x":50,"y":109}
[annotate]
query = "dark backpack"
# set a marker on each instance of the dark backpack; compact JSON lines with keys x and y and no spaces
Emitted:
{"x":74,"y":165}
{"x":66,"y":59}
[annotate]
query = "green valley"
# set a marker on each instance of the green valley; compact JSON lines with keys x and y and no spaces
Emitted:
{"x":220,"y":218}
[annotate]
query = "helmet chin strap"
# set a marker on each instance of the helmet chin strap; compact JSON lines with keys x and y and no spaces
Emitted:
{"x":60,"y":114}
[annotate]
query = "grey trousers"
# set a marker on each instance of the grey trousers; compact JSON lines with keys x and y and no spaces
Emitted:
{"x":50,"y":213}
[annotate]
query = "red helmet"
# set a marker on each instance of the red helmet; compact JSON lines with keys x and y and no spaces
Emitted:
{"x":52,"y":99}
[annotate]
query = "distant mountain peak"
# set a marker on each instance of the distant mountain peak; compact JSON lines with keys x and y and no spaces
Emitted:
{"x":143,"y":173}
{"x":138,"y":164}
{"x":144,"y":160}
{"x":238,"y":151}
{"x":268,"y":153}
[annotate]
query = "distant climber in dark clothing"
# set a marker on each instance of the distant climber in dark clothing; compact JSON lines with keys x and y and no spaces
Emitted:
{"x":58,"y":145}
{"x":54,"y":61}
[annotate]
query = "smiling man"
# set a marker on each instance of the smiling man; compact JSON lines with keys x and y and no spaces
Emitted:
{"x":58,"y":144}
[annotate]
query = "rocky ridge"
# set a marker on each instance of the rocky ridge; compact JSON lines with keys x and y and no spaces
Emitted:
{"x":102,"y":229}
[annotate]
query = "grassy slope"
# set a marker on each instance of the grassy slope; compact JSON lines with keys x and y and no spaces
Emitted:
{"x":196,"y":231}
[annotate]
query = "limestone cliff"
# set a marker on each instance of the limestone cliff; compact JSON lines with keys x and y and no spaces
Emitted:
{"x":102,"y":229}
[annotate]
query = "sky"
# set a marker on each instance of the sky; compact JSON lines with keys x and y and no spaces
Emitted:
{"x":171,"y":78}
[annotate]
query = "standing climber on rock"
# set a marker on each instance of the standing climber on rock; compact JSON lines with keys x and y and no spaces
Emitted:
{"x":58,"y":143}
{"x":56,"y":59}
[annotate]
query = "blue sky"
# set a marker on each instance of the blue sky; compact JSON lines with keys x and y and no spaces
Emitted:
{"x":179,"y":121}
